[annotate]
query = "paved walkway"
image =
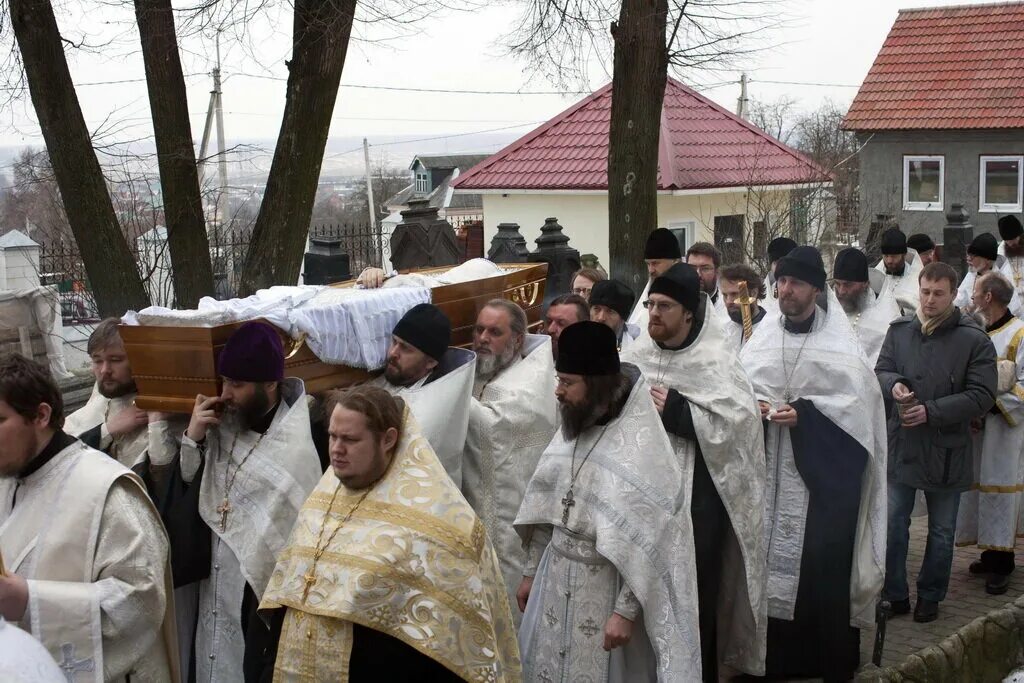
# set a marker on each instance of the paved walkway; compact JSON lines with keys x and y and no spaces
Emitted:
{"x":965,"y":601}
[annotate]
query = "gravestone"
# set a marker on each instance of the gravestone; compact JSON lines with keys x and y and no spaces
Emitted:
{"x":508,"y":246}
{"x":957,"y":234}
{"x":423,"y":239}
{"x":553,"y":248}
{"x":325,"y":263}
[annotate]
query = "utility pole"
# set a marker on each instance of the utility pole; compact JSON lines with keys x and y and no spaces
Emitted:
{"x":369,"y":199}
{"x":743,"y":103}
{"x":215,"y":111}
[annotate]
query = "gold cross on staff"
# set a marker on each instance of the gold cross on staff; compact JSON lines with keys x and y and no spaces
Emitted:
{"x":224,"y":508}
{"x":309,"y":579}
{"x":745,"y":301}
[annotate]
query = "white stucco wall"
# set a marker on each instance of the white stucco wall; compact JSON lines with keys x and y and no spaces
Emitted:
{"x":19,"y":268}
{"x":585,"y":217}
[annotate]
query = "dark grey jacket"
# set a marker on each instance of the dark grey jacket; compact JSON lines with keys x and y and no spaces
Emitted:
{"x":953,"y":373}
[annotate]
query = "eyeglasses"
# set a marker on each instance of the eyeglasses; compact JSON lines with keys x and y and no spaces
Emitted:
{"x":660,"y":306}
{"x":565,"y":383}
{"x":704,"y":269}
{"x":582,"y":291}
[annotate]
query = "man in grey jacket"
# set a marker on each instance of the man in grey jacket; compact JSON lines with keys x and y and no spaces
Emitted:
{"x":939,"y":368}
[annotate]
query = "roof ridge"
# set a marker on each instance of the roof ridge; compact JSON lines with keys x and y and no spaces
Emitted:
{"x":749,"y":126}
{"x":532,"y":135}
{"x":980,"y":5}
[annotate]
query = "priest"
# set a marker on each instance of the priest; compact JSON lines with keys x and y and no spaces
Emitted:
{"x":435,"y":381}
{"x":901,"y":267}
{"x":110,"y":422}
{"x":729,"y":283}
{"x":825,"y":446}
{"x":924,"y":246}
{"x":868,"y":315}
{"x":989,"y":515}
{"x":1012,"y":247}
{"x":983,"y":257}
{"x":610,"y":304}
{"x":707,"y":406}
{"x":777,"y":248}
{"x":706,"y":259}
{"x":609,"y":591}
{"x":388,"y":574}
{"x":86,"y":556}
{"x":251,"y":455}
{"x":511,"y":419}
{"x":661,"y":251}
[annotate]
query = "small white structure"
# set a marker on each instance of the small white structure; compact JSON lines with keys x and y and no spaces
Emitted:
{"x":19,"y":261}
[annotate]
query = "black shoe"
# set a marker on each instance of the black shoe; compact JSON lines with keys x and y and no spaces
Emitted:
{"x":996,"y":584}
{"x":978,"y":567}
{"x":898,"y":608}
{"x":925,"y":611}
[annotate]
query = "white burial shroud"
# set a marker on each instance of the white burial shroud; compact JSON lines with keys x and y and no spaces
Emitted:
{"x":633,"y":498}
{"x":728,"y":425}
{"x":833,"y":374}
{"x":441,"y":406}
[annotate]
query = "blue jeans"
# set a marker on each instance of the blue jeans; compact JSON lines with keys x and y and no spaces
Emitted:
{"x":933,"y":579}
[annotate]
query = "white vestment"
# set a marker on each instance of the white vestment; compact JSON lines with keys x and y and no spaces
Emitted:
{"x":155,"y":439}
{"x":728,"y":426}
{"x":827,"y":368}
{"x":84,"y":534}
{"x":511,"y":421}
{"x":23,"y":659}
{"x":990,"y":511}
{"x":732,"y":331}
{"x":903,"y":289}
{"x":1014,"y":270}
{"x":639,"y":316}
{"x":627,"y":547}
{"x":771,"y":296}
{"x":440,"y":402}
{"x":870,"y":323}
{"x":265,"y":497}
{"x":965,"y":292}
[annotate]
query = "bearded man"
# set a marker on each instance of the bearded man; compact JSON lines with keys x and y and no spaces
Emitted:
{"x":343,"y":604}
{"x":435,"y":381}
{"x":983,"y":257}
{"x":250,"y":454}
{"x":825,"y":446}
{"x":86,"y":556}
{"x":661,"y":252}
{"x":868,"y":316}
{"x":901,"y":268}
{"x":110,"y":422}
{"x":707,"y":407}
{"x":729,"y":281}
{"x":777,"y":249}
{"x":563,"y":311}
{"x":609,"y":590}
{"x":610,"y":304}
{"x":990,"y":512}
{"x":511,"y":419}
{"x":1012,"y":247}
{"x":706,"y":260}
{"x":924,"y":246}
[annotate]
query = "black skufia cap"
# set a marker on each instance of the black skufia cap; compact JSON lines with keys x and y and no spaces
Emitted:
{"x":851,"y":265}
{"x":779,"y":247}
{"x":1010,"y":227}
{"x":803,"y":263}
{"x":614,"y":295}
{"x":893,"y":242}
{"x":985,"y":246}
{"x":661,"y":243}
{"x":588,"y":348}
{"x":680,"y":282}
{"x":920,"y":243}
{"x":427,"y":328}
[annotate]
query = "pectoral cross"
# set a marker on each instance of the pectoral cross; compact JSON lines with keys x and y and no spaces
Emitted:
{"x":71,"y":666}
{"x":567,"y":503}
{"x":309,"y":579}
{"x":224,"y":508}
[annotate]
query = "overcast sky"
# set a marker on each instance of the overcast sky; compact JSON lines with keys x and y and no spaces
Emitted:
{"x":828,"y":43}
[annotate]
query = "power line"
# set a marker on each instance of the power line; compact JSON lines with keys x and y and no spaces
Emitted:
{"x":445,"y":91}
{"x":436,"y":137}
{"x":817,"y":85}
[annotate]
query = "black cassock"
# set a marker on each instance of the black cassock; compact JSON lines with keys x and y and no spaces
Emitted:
{"x":820,"y":642}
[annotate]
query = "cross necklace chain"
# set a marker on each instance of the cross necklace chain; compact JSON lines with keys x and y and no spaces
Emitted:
{"x":788,"y":374}
{"x":569,"y":500}
{"x":310,"y":577}
{"x":229,"y":479}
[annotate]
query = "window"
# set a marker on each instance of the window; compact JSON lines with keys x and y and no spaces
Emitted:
{"x":684,"y":234}
{"x":422,"y":183}
{"x":1001,"y":184}
{"x":923,"y":179}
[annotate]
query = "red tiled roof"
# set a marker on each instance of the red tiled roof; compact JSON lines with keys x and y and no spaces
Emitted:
{"x":946,"y":68}
{"x":703,"y":146}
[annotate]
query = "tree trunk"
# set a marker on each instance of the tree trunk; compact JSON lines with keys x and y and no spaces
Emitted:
{"x":113,"y":275}
{"x":319,"y":44}
{"x":638,"y":91}
{"x":179,"y":179}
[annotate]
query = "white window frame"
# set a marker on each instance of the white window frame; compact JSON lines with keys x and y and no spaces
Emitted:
{"x":1000,"y":208}
{"x":424,"y":180}
{"x":689,"y":229}
{"x":923,"y":206}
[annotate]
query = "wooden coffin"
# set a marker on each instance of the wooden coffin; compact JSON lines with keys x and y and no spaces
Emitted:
{"x":171,"y":364}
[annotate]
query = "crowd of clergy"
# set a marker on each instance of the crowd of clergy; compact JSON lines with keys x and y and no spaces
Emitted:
{"x":713,"y":480}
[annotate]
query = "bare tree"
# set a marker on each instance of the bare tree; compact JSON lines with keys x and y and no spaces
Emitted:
{"x":111,"y":268}
{"x":648,"y":37}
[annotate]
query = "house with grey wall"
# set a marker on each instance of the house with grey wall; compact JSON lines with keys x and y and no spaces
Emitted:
{"x":939,"y":119}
